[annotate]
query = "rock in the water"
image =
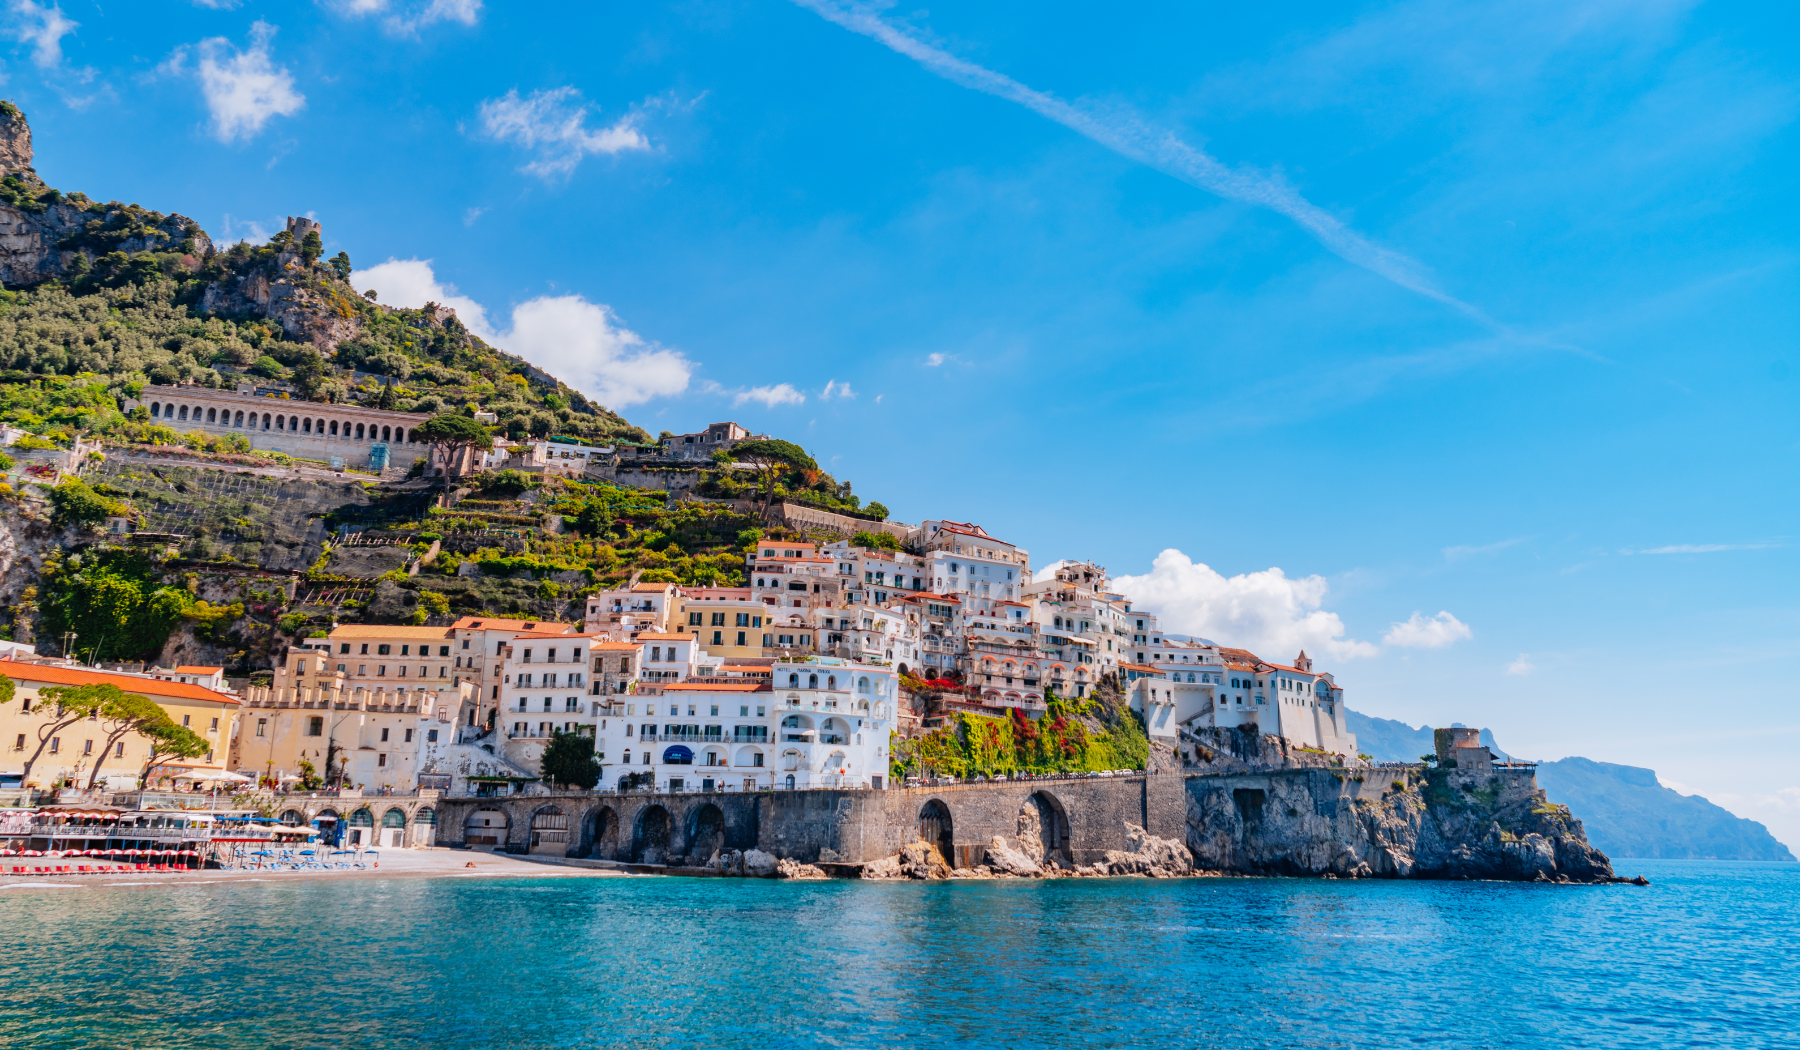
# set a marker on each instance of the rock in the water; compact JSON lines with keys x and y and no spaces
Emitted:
{"x":921,"y":860}
{"x":760,"y":865}
{"x":1002,"y":857}
{"x":885,"y":868}
{"x":793,"y":869}
{"x":1145,"y":854}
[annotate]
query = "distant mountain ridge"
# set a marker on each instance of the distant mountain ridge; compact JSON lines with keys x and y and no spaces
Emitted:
{"x":1627,"y":812}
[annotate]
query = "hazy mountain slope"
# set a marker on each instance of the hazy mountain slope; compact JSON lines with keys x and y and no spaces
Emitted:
{"x":1387,"y":740}
{"x":1629,"y":814}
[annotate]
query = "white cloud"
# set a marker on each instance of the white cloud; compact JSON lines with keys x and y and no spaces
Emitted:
{"x":553,"y":125}
{"x":1428,"y":632}
{"x":404,"y":18}
{"x":43,"y":28}
{"x":1265,"y":612}
{"x":1463,"y":553}
{"x":219,"y":5}
{"x":770,"y":396}
{"x":935,"y":360}
{"x":575,"y":340}
{"x":1703,"y":548}
{"x":244,"y":88}
{"x":1522,"y":665}
{"x":833,"y":388}
{"x":471,"y":215}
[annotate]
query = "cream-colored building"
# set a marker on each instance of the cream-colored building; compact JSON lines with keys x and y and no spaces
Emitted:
{"x":75,"y":750}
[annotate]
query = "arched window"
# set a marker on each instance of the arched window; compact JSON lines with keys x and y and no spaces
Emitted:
{"x":183,"y":412}
{"x":793,"y":681}
{"x":812,"y":681}
{"x":628,"y":756}
{"x":334,"y":428}
{"x":240,"y":420}
{"x":265,"y":421}
{"x":359,"y":431}
{"x":294,"y":424}
{"x":831,"y":681}
{"x":426,"y":817}
{"x":155,"y":410}
{"x":280,"y":422}
{"x":862,"y":684}
{"x":393,"y":818}
{"x":306,"y":425}
{"x":212,"y":415}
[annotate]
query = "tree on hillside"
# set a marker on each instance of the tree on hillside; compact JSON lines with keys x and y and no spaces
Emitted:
{"x":58,"y":707}
{"x":340,"y":265}
{"x":771,"y":458}
{"x":452,"y":435}
{"x":886,"y":541}
{"x":569,"y":759}
{"x":878,"y":511}
{"x":122,"y":714}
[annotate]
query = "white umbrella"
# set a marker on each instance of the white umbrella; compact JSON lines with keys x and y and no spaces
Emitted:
{"x":223,"y":776}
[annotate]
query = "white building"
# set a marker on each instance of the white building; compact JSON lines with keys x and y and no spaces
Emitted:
{"x":961,"y":559}
{"x":1295,"y":702}
{"x":816,"y":723}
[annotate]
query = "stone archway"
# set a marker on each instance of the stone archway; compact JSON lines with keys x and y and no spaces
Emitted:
{"x":600,"y":834}
{"x":650,"y":836}
{"x":550,"y":831}
{"x":705,"y":832}
{"x":486,"y":828}
{"x":935,"y":829}
{"x":1044,"y":830}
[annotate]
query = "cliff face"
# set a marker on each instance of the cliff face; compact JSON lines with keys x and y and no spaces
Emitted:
{"x":1387,"y":823}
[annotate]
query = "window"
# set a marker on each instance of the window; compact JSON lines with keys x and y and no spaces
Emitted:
{"x":383,"y":649}
{"x":315,"y":726}
{"x":55,"y":744}
{"x":409,"y":734}
{"x":406,"y":650}
{"x":365,"y":649}
{"x":215,"y":725}
{"x":343,"y":648}
{"x":87,"y":747}
{"x":19,"y":745}
{"x":119,"y":750}
{"x":694,"y":619}
{"x":262,"y":726}
{"x":431,"y":736}
{"x":743,"y":620}
{"x":380,"y":760}
{"x":187,"y":719}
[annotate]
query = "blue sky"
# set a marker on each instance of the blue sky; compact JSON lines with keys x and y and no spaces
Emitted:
{"x":1482,"y":312}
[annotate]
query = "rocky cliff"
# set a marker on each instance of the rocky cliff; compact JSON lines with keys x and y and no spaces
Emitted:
{"x":1422,"y":823}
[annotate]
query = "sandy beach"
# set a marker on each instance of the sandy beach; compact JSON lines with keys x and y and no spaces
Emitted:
{"x":395,"y":864}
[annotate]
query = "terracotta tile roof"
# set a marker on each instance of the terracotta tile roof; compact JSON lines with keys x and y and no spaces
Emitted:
{"x":1141,"y":668}
{"x":496,"y":623}
{"x":652,"y":636}
{"x":187,"y":669}
{"x":51,"y":674}
{"x":617,"y":646}
{"x":647,"y":587}
{"x":376,"y":630}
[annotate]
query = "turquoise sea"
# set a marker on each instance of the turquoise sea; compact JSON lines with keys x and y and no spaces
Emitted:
{"x":1706,"y":956}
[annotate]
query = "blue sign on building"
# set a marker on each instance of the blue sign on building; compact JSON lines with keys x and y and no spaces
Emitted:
{"x":378,"y":457}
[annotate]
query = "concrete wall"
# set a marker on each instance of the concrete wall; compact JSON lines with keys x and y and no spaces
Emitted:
{"x":851,"y":826}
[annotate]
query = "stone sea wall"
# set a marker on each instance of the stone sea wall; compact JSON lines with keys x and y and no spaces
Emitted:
{"x":1383,"y":822}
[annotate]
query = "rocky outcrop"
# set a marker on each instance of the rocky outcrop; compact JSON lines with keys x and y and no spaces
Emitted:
{"x":1145,"y":854}
{"x":1003,"y":858}
{"x":1430,"y":824}
{"x":1210,"y":749}
{"x":308,"y":310}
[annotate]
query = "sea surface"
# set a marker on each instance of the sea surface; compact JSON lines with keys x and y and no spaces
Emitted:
{"x":1708,"y":955}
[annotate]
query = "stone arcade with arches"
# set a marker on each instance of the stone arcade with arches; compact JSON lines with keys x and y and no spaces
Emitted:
{"x":1075,"y":820}
{"x":373,"y":821}
{"x":358,"y":435}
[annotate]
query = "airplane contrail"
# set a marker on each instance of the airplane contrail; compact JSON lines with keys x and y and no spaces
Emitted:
{"x":1159,"y":148}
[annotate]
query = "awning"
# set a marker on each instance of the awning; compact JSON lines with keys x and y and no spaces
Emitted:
{"x":678,"y":754}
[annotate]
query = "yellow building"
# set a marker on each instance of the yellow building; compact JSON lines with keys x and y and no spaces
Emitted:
{"x":73,"y":751}
{"x":727,"y":622}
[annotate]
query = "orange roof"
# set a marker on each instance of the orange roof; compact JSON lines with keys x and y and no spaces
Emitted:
{"x":615,"y":646}
{"x":717,"y":687}
{"x":653,"y":636}
{"x":919,"y":596}
{"x":52,"y":674}
{"x":186,"y":669}
{"x":651,"y":586}
{"x":1140,"y":667}
{"x":495,"y":623}
{"x":558,"y":634}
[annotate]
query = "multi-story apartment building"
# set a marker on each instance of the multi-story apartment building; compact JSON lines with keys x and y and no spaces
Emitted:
{"x":961,"y":559}
{"x":625,"y":613}
{"x":788,"y":576}
{"x":815,"y":723}
{"x":545,"y":690}
{"x":1002,"y":656}
{"x":727,"y":622}
{"x":1081,"y":624}
{"x":476,"y":644}
{"x":872,"y":576}
{"x":870,"y":634}
{"x":938,"y":620}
